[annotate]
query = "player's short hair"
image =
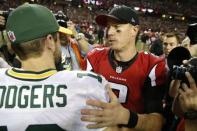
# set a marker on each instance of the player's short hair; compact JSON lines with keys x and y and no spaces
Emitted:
{"x":173,"y":34}
{"x":31,"y":49}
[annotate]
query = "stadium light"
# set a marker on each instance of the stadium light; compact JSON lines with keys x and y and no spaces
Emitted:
{"x":86,"y":1}
{"x":93,"y":2}
{"x":99,"y":3}
{"x":150,"y":10}
{"x":115,"y":5}
{"x":144,"y":10}
{"x":137,"y":8}
{"x":90,"y":8}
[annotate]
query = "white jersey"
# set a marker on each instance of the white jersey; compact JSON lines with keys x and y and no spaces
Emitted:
{"x":47,"y":100}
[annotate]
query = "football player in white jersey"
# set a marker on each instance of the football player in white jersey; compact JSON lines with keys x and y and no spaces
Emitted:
{"x":37,"y":97}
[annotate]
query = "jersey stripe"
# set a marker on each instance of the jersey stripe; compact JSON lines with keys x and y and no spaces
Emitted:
{"x":89,"y":67}
{"x":152,"y":76}
{"x":22,"y":75}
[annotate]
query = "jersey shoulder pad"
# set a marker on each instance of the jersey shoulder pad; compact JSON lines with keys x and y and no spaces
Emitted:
{"x":98,"y":52}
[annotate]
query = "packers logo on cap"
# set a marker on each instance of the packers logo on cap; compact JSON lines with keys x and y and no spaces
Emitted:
{"x":11,"y":36}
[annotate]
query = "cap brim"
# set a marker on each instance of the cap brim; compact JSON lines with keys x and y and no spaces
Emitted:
{"x":103,"y":19}
{"x":65,"y":31}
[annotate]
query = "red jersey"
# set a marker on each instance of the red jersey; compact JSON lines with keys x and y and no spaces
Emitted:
{"x":144,"y":66}
{"x":181,"y":125}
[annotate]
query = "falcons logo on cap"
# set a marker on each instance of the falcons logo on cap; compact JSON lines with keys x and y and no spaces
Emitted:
{"x":133,"y":20}
{"x":11,"y":36}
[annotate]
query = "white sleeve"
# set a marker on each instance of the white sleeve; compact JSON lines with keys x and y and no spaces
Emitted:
{"x":98,"y":89}
{"x":3,"y":63}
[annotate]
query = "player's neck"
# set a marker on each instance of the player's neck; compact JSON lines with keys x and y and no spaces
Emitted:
{"x":125,"y":55}
{"x":38,"y":64}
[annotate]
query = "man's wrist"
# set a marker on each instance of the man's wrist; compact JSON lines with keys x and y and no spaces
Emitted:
{"x":131,"y":121}
{"x":125,"y":117}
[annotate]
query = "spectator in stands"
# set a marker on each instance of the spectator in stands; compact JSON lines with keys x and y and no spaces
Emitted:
{"x":88,"y":35}
{"x":3,"y":62}
{"x":157,"y":48}
{"x":101,"y":35}
{"x":170,"y":41}
{"x":71,"y":54}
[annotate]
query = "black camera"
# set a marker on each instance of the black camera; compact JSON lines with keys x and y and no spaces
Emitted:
{"x":178,"y":72}
{"x":61,"y":18}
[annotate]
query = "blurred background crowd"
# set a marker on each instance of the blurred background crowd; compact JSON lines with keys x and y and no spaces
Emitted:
{"x":156,"y":16}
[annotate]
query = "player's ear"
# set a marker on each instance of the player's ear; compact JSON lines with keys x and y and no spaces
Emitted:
{"x":135,"y":30}
{"x":50,"y":42}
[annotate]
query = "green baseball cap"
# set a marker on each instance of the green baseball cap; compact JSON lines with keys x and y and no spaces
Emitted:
{"x":31,"y":21}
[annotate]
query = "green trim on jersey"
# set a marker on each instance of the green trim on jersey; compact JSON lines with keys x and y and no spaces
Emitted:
{"x":30,"y":75}
{"x":93,"y":75}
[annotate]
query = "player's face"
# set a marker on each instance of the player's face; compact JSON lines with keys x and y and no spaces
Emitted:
{"x":57,"y":53}
{"x":63,"y":39}
{"x":169,"y":44}
{"x":120,"y":36}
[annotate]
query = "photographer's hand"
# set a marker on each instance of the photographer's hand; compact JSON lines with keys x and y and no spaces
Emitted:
{"x":71,"y":26}
{"x":174,"y":86}
{"x":188,"y":95}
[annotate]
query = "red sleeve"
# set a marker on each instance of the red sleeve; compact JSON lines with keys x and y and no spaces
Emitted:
{"x":155,"y":85}
{"x":161,"y":73}
{"x":157,"y":70}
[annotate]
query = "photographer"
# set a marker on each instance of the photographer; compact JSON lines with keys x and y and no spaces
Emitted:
{"x":192,"y":34}
{"x":171,"y":40}
{"x":3,"y":63}
{"x":185,"y":102}
{"x":72,"y":57}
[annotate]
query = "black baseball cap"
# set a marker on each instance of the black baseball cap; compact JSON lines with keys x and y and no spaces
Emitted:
{"x":122,"y":14}
{"x":192,"y":33}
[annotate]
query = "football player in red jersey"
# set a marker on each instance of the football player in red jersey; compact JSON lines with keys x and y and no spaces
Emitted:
{"x":142,"y":76}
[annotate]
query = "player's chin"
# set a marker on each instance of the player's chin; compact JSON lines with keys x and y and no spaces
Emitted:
{"x":167,"y":52}
{"x":114,"y":47}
